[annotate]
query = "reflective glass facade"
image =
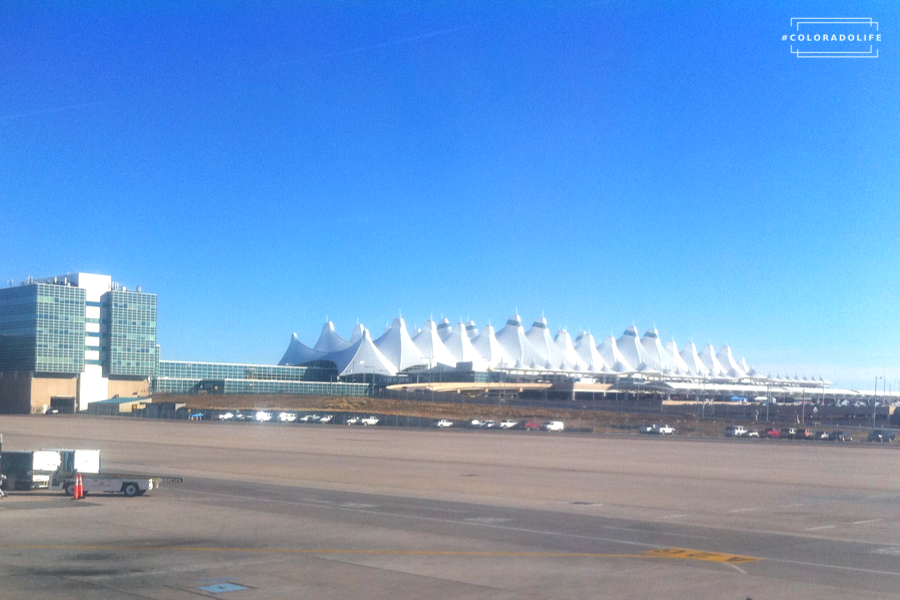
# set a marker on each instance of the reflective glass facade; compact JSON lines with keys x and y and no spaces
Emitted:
{"x":42,"y":328}
{"x":178,"y":377}
{"x":128,"y":333}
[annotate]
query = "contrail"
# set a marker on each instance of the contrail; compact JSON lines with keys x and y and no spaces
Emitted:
{"x":47,"y":111}
{"x":413,"y":38}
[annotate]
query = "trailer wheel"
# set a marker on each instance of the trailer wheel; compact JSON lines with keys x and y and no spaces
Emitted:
{"x":130,"y":489}
{"x":69,"y":488}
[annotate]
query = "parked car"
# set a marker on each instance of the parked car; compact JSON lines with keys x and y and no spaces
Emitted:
{"x":444,"y":423}
{"x":309,"y":418}
{"x":881,"y":435}
{"x":228,"y":416}
{"x":839,"y":436}
{"x":805,"y":434}
{"x":478,"y":424}
{"x":287,"y":417}
{"x":773,"y":432}
{"x":263,"y":416}
{"x":553,"y":426}
{"x":490,"y":424}
{"x":352,"y":421}
{"x":508,"y":424}
{"x":531,"y":426}
{"x":370,"y":420}
{"x":326,"y":419}
{"x":735,"y":431}
{"x":657,"y":429}
{"x":753,"y":434}
{"x":789,"y":433}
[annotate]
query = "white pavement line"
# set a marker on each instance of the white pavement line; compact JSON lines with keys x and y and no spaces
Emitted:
{"x":819,"y":527}
{"x":434,"y":519}
{"x":670,"y":517}
{"x":737,"y":568}
{"x":684,"y":535}
{"x":791,"y":505}
{"x":824,"y":566}
{"x":739,"y":510}
{"x":867,"y":521}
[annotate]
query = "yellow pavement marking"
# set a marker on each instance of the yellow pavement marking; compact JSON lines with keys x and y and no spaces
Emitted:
{"x":673,"y":553}
{"x":684,"y":553}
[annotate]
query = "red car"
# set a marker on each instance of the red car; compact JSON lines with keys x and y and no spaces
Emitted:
{"x":773,"y":432}
{"x":531,"y":426}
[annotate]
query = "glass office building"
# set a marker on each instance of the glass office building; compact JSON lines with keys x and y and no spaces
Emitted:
{"x":42,"y":329}
{"x":128,"y":333}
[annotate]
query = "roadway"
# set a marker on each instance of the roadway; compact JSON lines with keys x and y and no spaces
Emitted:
{"x":339,"y":512}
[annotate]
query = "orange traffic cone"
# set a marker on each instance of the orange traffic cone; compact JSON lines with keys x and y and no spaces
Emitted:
{"x":79,"y":488}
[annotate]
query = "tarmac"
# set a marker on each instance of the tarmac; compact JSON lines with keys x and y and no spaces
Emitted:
{"x":336,"y":512}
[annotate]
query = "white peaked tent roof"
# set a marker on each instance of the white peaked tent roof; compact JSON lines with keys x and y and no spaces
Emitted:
{"x":298,"y":353}
{"x":471,"y":330}
{"x":731,"y":366}
{"x":586,"y":348}
{"x":680,"y":365}
{"x":712,"y":364}
{"x":692,"y":360}
{"x":655,"y":355}
{"x":516,"y":346}
{"x":543,"y":344}
{"x":630,"y":347}
{"x":431,"y":347}
{"x":489,"y":348}
{"x":444,"y":328}
{"x":329,"y":340}
{"x":571,"y":358}
{"x":357,"y":333}
{"x":460,"y":346}
{"x":361,"y":357}
{"x":398,"y":347}
{"x":612,"y":356}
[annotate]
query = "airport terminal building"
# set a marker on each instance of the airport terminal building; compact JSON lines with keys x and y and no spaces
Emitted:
{"x":71,"y":340}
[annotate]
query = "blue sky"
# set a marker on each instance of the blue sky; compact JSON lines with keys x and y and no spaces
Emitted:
{"x":263,"y":166}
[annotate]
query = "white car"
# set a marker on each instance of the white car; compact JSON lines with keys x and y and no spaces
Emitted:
{"x":263,"y":416}
{"x":326,"y":419}
{"x":735,"y":431}
{"x":287,"y":417}
{"x":489,"y":424}
{"x":308,"y":418}
{"x":476,"y":423}
{"x":508,"y":424}
{"x":553,"y":426}
{"x":658,"y":429}
{"x":444,"y":423}
{"x":353,"y":421}
{"x":370,"y":420}
{"x":226,"y":416}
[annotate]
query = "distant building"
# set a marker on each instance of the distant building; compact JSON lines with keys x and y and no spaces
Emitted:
{"x":71,"y":340}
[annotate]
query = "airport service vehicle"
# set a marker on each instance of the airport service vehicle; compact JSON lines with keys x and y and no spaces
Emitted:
{"x":508,"y":424}
{"x":263,"y":416}
{"x":226,"y":416}
{"x":370,"y":420}
{"x":881,"y":435}
{"x":735,"y":431}
{"x":326,"y":419}
{"x":29,"y":470}
{"x":444,"y":423}
{"x":129,"y":484}
{"x":553,"y":426}
{"x":287,"y":417}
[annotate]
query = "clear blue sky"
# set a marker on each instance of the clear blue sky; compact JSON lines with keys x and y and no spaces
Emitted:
{"x":263,"y":167}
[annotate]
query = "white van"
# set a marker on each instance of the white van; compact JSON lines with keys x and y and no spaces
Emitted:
{"x":553,"y":426}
